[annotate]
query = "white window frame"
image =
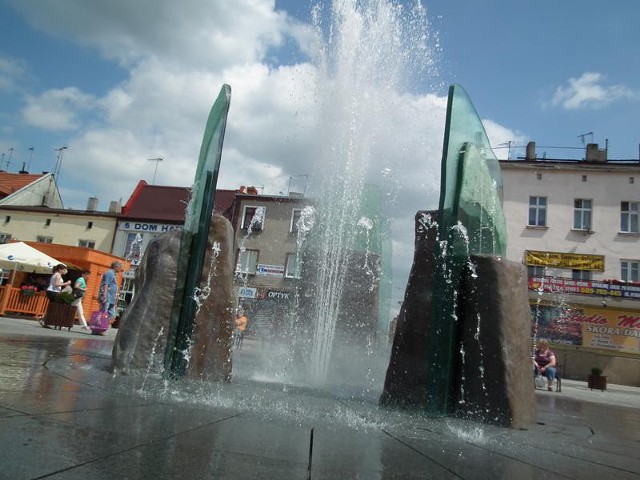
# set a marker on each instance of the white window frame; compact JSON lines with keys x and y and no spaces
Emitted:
{"x":586,"y":275}
{"x":582,"y":214}
{"x":247,"y":261}
{"x":292,"y":266}
{"x":245,"y":211}
{"x":296,"y":213}
{"x":44,"y":239}
{"x":630,"y":270}
{"x":87,"y":243}
{"x":537,"y":209}
{"x":629,"y":216}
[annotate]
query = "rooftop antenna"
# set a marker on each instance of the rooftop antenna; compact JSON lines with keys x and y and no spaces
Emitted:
{"x":9,"y":159}
{"x":30,"y":157}
{"x":157,"y":160}
{"x":508,"y":144}
{"x":582,"y":135}
{"x":56,"y":169}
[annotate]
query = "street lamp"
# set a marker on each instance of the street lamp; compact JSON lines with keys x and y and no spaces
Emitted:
{"x":56,"y":169}
{"x":157,"y":160}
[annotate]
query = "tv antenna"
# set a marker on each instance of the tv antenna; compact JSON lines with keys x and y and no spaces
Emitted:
{"x":582,"y":135}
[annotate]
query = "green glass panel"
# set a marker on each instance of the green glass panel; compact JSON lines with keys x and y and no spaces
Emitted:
{"x":194,"y":236}
{"x":470,"y":221}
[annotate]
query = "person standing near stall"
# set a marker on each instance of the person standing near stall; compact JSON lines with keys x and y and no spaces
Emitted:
{"x":79,"y":290}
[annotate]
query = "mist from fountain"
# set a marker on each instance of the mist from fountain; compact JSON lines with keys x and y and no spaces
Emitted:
{"x":365,"y":50}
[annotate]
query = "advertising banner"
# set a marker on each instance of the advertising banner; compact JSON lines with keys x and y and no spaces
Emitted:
{"x":585,"y":287}
{"x":592,"y":327}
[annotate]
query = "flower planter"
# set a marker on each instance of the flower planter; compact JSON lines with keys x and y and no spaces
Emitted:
{"x":599,"y":382}
{"x":60,"y":315}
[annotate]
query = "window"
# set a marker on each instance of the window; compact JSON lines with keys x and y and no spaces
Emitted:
{"x":629,"y":270}
{"x":584,"y":178}
{"x":537,"y":211}
{"x":295,"y":216}
{"x":87,"y":243}
{"x":253,"y":218}
{"x":89,"y":225}
{"x":582,"y":214}
{"x":5,"y":237}
{"x":292,"y":267}
{"x":629,"y":217}
{"x":581,"y":274}
{"x":5,"y":276}
{"x":42,"y":239}
{"x":535,"y":271}
{"x":7,"y":219}
{"x":247,"y":261}
{"x":47,"y":222}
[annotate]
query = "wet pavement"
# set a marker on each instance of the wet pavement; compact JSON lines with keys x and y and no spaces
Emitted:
{"x":63,"y":416}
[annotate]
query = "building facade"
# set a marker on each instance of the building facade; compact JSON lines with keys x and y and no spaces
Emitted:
{"x":574,"y":224}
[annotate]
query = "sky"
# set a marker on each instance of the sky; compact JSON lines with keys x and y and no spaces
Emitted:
{"x":119,"y":83}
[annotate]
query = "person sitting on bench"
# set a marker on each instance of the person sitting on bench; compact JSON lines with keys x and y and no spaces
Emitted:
{"x":544,"y":363}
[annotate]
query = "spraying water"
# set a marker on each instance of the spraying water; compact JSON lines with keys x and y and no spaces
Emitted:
{"x":366,"y":49}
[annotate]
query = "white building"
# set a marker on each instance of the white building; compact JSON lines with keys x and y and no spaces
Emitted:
{"x":575,"y":224}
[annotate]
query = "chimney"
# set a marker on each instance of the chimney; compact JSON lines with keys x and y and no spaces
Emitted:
{"x":115,"y":207}
{"x":92,"y":204}
{"x":531,"y":152}
{"x":242,"y":189}
{"x":252,"y":190}
{"x":595,"y":155}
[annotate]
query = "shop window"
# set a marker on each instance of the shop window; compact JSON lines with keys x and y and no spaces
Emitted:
{"x":247,"y":261}
{"x":253,"y":218}
{"x":629,"y":217}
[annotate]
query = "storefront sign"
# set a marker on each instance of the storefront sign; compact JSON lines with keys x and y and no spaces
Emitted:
{"x":609,"y":329}
{"x":573,"y":261}
{"x":247,"y":292}
{"x":271,"y":270}
{"x":277,"y":295}
{"x":585,"y":287}
{"x":148,"y":227}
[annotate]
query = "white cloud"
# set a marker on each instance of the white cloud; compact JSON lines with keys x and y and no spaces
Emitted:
{"x":58,"y":109}
{"x":12,"y":72}
{"x":590,"y":91}
{"x":284,"y":120}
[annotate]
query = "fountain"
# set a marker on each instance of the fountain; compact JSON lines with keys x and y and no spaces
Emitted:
{"x":335,"y":321}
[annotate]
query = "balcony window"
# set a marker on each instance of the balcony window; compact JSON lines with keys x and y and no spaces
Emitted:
{"x":629,"y":270}
{"x":581,"y":214}
{"x":253,"y":218}
{"x":247,"y":261}
{"x":292,"y":268}
{"x":629,"y":217}
{"x":538,"y":211}
{"x":295,"y":216}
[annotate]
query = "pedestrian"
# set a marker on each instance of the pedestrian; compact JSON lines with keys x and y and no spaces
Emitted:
{"x":241,"y":326}
{"x":79,"y":290}
{"x":108,"y":293}
{"x":56,"y":282}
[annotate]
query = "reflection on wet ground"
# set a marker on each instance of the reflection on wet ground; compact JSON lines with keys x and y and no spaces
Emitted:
{"x":62,"y":415}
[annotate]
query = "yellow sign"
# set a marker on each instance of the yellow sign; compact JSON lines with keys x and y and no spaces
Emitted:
{"x":609,"y":329}
{"x":574,"y":261}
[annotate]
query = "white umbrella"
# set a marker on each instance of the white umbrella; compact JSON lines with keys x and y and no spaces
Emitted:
{"x":20,"y":256}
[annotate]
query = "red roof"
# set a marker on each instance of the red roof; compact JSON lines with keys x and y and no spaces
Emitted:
{"x":12,"y":182}
{"x":168,"y":204}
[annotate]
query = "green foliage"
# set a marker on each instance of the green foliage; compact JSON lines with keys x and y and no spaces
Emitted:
{"x":596,"y":371}
{"x":65,"y":297}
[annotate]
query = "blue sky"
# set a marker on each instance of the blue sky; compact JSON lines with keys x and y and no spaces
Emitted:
{"x":121,"y":82}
